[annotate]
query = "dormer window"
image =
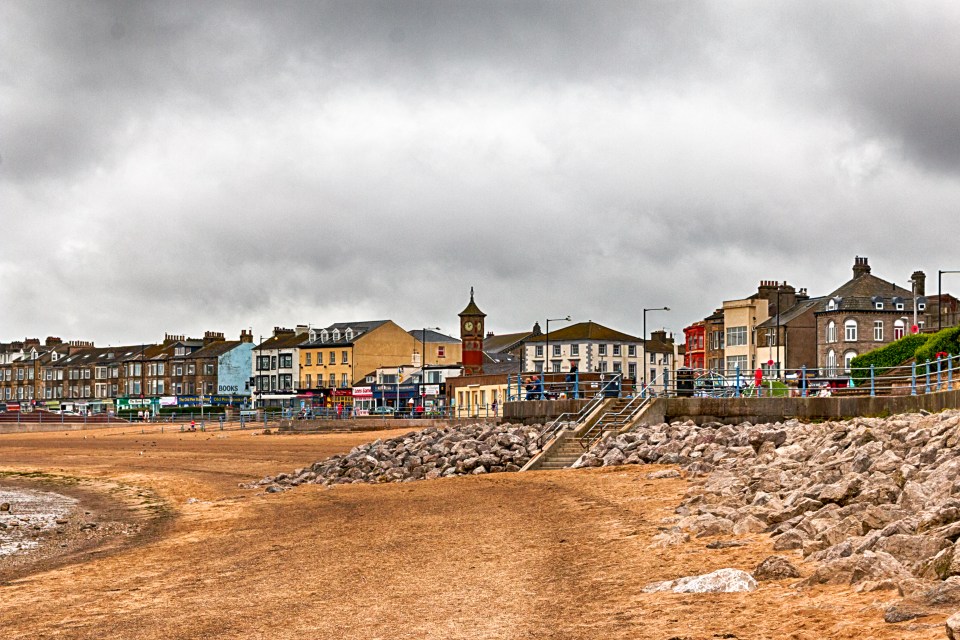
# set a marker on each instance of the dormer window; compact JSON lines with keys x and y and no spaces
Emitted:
{"x":921,"y":303}
{"x":313,"y":335}
{"x":324,"y":335}
{"x":831,"y":305}
{"x":348,"y":334}
{"x":336,"y":335}
{"x":878,"y":306}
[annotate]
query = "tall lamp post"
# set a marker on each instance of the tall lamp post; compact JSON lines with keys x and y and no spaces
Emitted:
{"x":643,"y":371}
{"x":423,"y":362}
{"x":546,"y":353}
{"x":939,"y":297}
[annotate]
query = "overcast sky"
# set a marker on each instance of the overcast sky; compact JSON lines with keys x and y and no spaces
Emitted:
{"x":189,"y":166}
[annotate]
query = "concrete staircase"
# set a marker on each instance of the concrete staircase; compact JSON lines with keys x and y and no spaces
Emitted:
{"x":564,"y":453}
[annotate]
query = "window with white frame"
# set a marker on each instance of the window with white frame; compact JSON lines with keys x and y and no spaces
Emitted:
{"x":899,"y":329}
{"x":575,"y":350}
{"x":850,"y":330}
{"x":847,"y":359}
{"x":556,"y":351}
{"x":831,"y":363}
{"x":736,"y":336}
{"x":602,"y":349}
{"x":831,"y":331}
{"x":632,"y":371}
{"x":603,"y":366}
{"x":538,"y":351}
{"x":632,"y":351}
{"x":616,"y":349}
{"x":878,"y":330}
{"x":899,"y":306}
{"x":735,"y":362}
{"x":555,"y":367}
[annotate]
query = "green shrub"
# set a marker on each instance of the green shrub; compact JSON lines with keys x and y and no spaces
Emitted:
{"x":947,"y":340}
{"x":887,"y":357}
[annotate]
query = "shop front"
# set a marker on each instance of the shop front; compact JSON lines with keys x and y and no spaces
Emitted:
{"x":400,"y":397}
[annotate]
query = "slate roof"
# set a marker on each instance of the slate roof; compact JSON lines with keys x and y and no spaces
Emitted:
{"x":216,"y":349}
{"x":501,"y":363}
{"x":789,"y":314}
{"x":433,"y":337}
{"x":585,"y":331}
{"x":858,"y":294}
{"x":284,"y":341}
{"x":505,"y":342}
{"x":360,"y":328}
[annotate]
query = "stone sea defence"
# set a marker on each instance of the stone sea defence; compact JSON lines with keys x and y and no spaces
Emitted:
{"x":874,"y":502}
{"x":431,"y":453}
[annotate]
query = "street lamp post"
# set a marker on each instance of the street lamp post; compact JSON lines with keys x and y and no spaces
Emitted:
{"x":423,"y":363}
{"x":939,"y":298}
{"x":546,"y":352}
{"x":644,"y":364}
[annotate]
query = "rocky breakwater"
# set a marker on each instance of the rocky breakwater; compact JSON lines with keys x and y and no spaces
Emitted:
{"x":431,"y":453}
{"x":875,"y":502}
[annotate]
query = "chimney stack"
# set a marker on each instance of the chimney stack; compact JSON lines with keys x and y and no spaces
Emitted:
{"x":860,"y":267}
{"x":919,"y":279}
{"x":209,"y":337}
{"x":246,"y":336}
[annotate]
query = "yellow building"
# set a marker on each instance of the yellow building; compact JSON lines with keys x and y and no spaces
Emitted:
{"x":440,"y":349}
{"x":480,"y":396}
{"x":342,"y":354}
{"x":740,"y":319}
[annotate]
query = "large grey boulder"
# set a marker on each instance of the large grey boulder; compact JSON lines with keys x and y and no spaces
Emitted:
{"x":720,"y":581}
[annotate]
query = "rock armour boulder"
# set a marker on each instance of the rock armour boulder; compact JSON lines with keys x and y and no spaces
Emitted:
{"x":428,"y":454}
{"x":874,"y":501}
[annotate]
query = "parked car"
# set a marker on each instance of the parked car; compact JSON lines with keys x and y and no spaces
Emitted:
{"x":382,"y":411}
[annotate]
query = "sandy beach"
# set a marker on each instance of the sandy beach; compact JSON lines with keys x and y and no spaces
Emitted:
{"x":560,"y":554}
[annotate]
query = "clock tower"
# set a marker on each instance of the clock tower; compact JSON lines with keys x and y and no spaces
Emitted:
{"x":471,"y":338}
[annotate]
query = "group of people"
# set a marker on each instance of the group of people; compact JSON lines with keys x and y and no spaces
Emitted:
{"x":536,"y":390}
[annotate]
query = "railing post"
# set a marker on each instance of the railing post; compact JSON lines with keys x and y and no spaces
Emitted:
{"x":737,"y":384}
{"x":949,"y":373}
{"x":873,"y":390}
{"x":803,"y":381}
{"x":927,"y":389}
{"x":913,"y":379}
{"x":938,"y":373}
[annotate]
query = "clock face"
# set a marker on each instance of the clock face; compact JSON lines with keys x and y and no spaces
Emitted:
{"x":468,"y":325}
{"x":479,"y":328}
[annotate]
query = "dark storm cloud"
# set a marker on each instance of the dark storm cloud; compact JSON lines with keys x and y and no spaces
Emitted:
{"x":194,"y":166}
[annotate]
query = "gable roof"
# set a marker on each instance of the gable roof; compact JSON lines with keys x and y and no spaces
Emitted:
{"x":585,"y":331}
{"x":787,"y":315}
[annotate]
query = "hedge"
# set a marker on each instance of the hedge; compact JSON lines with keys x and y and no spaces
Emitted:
{"x":946,"y":340}
{"x":886,"y":358}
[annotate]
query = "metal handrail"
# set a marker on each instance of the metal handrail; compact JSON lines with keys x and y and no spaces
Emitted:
{"x":560,"y":422}
{"x":595,"y":432}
